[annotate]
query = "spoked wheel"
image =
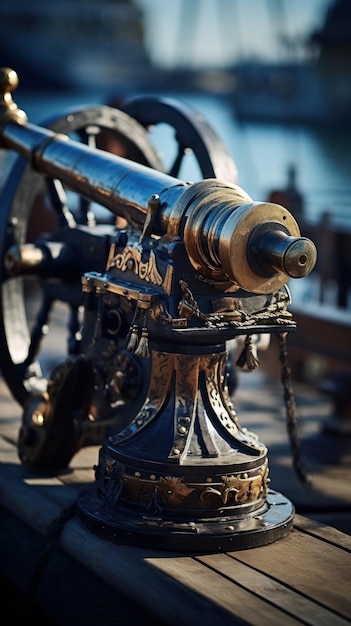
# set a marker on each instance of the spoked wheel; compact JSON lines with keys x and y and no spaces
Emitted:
{"x":39,"y":293}
{"x":192,"y":135}
{"x":33,"y":208}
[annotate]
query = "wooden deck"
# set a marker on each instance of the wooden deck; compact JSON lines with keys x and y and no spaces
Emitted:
{"x":84,"y":579}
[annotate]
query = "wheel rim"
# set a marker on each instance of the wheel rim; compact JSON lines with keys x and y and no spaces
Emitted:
{"x":192,"y":133}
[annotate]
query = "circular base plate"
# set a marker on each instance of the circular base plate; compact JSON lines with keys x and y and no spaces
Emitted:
{"x":219,"y":534}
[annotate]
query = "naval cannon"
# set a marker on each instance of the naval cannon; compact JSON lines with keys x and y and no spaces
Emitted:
{"x":155,"y":291}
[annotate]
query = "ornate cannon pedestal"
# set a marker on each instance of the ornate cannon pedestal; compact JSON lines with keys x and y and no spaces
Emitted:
{"x":184,"y":474}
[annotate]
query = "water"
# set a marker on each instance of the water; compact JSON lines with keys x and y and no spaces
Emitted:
{"x":262,"y":152}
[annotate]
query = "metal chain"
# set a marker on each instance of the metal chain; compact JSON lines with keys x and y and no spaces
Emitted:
{"x":50,"y":541}
{"x":291,"y":416}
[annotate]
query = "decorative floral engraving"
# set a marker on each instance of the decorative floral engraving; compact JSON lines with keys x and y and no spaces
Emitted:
{"x":132,"y":259}
{"x":171,"y":492}
{"x":240,"y":489}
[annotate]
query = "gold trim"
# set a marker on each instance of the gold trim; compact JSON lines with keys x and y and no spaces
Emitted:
{"x":173,"y":492}
{"x":131,"y":260}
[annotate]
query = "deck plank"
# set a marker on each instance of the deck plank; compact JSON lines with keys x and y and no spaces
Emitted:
{"x":172,"y":580}
{"x":327,"y":533}
{"x":272,"y":590}
{"x":319,"y":570}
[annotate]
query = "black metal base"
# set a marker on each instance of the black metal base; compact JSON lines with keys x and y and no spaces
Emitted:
{"x":267,"y":524}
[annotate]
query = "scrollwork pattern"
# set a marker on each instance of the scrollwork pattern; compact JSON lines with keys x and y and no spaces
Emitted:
{"x":132,"y":259}
{"x":173,"y":493}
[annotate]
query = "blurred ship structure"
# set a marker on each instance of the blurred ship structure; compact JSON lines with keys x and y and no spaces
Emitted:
{"x":313,"y":86}
{"x":100,"y":44}
{"x":306,"y":80}
{"x":75,"y":45}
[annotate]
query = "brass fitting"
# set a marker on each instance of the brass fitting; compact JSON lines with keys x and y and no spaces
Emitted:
{"x":9,"y":110}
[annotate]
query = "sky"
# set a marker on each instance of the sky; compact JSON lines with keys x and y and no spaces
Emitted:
{"x":217,"y":33}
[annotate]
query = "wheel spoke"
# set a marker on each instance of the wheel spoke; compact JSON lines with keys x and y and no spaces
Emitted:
{"x":86,"y":215}
{"x":39,"y":330}
{"x":74,"y":328}
{"x":175,"y":168}
{"x":58,"y":200}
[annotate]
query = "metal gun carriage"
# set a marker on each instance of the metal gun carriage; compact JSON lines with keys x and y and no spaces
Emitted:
{"x":153,"y":303}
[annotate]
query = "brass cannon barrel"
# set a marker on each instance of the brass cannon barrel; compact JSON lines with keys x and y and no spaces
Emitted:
{"x":229,"y":238}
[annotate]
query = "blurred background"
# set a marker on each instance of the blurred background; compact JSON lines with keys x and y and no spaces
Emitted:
{"x":273,"y":79}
